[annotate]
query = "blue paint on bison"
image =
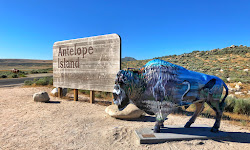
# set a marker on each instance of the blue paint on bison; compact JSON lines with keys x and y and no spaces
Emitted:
{"x":159,"y":87}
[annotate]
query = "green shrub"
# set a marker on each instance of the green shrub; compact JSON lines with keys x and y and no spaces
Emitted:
{"x":239,"y":106}
{"x":41,"y":71}
{"x":14,"y":76}
{"x":33,"y":71}
{"x":3,"y":76}
{"x":41,"y":81}
{"x":98,"y":95}
{"x":230,"y":103}
{"x":51,"y":81}
{"x":22,"y":75}
{"x":85,"y":92}
{"x":44,"y":81}
{"x":35,"y":79}
{"x":242,"y":107}
{"x":28,"y":82}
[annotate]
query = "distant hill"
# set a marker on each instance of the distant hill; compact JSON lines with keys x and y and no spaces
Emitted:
{"x":230,"y":62}
{"x":227,"y":63}
{"x":128,"y":59}
{"x":24,"y":64}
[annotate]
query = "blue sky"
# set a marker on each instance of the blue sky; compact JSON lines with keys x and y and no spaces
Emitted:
{"x":28,"y":28}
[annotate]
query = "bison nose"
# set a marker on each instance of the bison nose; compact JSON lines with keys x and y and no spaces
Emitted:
{"x":115,"y":96}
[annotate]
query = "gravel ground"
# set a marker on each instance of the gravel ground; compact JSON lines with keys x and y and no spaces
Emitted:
{"x":65,"y":124}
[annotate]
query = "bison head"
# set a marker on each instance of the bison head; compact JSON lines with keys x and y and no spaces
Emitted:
{"x":120,"y":97}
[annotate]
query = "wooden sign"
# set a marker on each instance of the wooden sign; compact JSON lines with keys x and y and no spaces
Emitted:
{"x":87,"y":63}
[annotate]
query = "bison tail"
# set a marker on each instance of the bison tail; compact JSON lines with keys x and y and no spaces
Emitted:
{"x":223,"y":100}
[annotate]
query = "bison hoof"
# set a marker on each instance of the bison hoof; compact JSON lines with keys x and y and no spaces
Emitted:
{"x":157,"y":129}
{"x":215,"y":130}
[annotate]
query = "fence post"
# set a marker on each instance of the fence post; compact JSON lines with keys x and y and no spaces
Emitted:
{"x":92,"y":97}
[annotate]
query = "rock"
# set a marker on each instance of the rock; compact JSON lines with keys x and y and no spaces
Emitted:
{"x":230,"y":88}
{"x":130,"y":112}
{"x":239,"y":83}
{"x":41,"y":97}
{"x":238,"y":93}
{"x":231,"y":95}
{"x":237,"y":86}
{"x":54,"y":92}
{"x":233,"y":46}
{"x":245,"y":70}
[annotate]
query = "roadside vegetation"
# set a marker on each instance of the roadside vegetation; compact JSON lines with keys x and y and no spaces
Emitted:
{"x":233,"y":105}
{"x":9,"y":74}
{"x":48,"y":70}
{"x":39,"y":82}
{"x":239,"y":106}
{"x":98,"y":94}
{"x":236,"y":110}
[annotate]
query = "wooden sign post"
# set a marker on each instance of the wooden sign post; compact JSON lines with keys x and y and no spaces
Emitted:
{"x":87,"y":63}
{"x":92,"y":97}
{"x":75,"y":95}
{"x":60,"y":92}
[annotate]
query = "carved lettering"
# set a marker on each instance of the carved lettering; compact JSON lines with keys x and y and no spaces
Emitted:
{"x":91,"y":49}
{"x":84,"y":49}
{"x":64,"y":63}
{"x":71,"y":51}
{"x":60,"y":52}
{"x":87,"y":63}
{"x":79,"y":51}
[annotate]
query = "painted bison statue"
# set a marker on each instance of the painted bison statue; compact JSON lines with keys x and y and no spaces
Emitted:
{"x":159,"y":87}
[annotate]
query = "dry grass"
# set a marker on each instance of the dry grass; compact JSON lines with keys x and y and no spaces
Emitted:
{"x":238,"y":119}
{"x":24,"y":64}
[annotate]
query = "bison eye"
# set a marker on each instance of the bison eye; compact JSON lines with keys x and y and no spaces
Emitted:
{"x":115,"y":96}
{"x":121,"y":83}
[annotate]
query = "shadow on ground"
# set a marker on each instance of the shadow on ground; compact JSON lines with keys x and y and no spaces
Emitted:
{"x":202,"y":133}
{"x":86,"y":99}
{"x":53,"y":102}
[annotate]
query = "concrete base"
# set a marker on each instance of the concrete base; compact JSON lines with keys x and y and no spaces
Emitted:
{"x":177,"y":133}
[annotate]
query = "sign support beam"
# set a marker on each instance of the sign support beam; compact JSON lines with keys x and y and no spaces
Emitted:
{"x":92,"y":97}
{"x":75,"y":94}
{"x":60,"y":92}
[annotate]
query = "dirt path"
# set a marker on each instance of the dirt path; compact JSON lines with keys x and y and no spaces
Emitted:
{"x":64,"y":124}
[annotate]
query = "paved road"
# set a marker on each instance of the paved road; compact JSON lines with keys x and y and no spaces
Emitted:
{"x":20,"y":81}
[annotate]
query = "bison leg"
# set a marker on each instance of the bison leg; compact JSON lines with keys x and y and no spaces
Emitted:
{"x":218,"y":110}
{"x":160,"y":117}
{"x":199,"y":107}
{"x":157,"y":127}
